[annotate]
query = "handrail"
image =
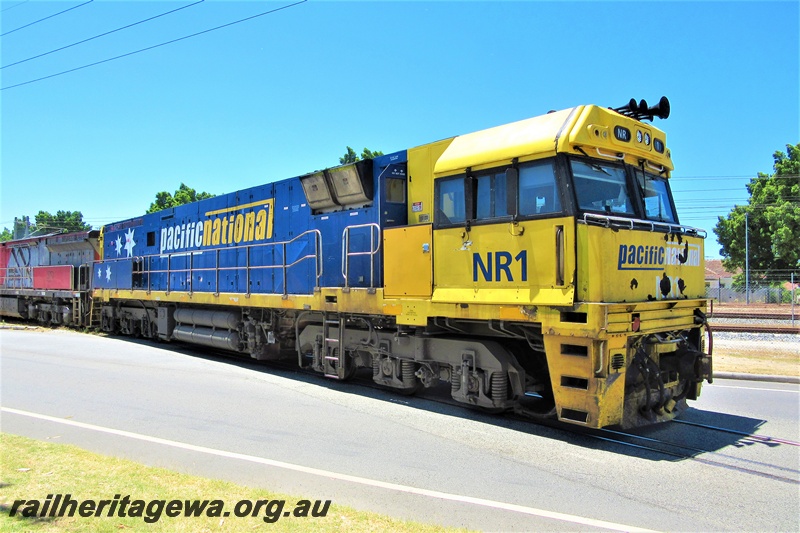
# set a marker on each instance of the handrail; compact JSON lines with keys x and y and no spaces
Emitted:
{"x":631,"y":223}
{"x":145,"y":261}
{"x":618,"y":157}
{"x":657,"y":168}
{"x":373,"y":249}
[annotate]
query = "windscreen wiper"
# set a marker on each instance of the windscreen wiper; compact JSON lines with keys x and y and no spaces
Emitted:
{"x":595,"y":166}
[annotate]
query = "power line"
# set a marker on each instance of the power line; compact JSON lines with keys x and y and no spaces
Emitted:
{"x":15,"y":5}
{"x":101,"y":35}
{"x":707,"y":178}
{"x":45,"y":18}
{"x":156,"y":45}
{"x":698,"y":202}
{"x":741,"y":189}
{"x":714,"y":198}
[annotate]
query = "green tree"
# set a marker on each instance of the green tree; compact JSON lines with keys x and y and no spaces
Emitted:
{"x":350,"y":155}
{"x":69,"y":221}
{"x":184,"y":195}
{"x":22,"y":228}
{"x":366,"y":153}
{"x":772,"y":215}
{"x":65,"y":221}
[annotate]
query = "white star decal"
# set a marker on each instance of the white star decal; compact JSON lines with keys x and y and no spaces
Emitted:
{"x":129,"y":242}
{"x":99,"y":272}
{"x":118,"y":244}
{"x":108,"y":273}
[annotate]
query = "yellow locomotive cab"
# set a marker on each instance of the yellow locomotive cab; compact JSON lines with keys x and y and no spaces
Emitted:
{"x":616,"y":288}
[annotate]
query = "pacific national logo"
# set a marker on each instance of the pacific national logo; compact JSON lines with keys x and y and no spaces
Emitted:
{"x":223,"y":227}
{"x":656,"y":257}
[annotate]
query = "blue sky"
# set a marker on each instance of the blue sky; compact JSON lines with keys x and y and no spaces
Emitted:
{"x":284,"y":93}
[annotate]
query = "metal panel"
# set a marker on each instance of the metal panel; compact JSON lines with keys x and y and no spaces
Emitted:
{"x":113,"y":275}
{"x":634,"y":266}
{"x":331,"y":227}
{"x":420,"y":180}
{"x":11,"y":306}
{"x":300,"y":276}
{"x":53,"y":277}
{"x":391,"y":169}
{"x":361,"y":246}
{"x":317,"y":191}
{"x":352,"y":184}
{"x":408,"y":256}
{"x":258,"y":256}
{"x":506,"y":263}
{"x":5,"y":254}
{"x":594,"y":131}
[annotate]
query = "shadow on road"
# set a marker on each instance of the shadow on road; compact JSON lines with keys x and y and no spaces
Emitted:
{"x":669,"y":441}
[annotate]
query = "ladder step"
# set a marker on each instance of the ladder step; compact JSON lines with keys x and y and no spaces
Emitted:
{"x":332,"y":340}
{"x":331,"y":358}
{"x":334,"y":376}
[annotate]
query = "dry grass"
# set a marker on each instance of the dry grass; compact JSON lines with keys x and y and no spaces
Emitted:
{"x":33,"y":469}
{"x":757,"y":357}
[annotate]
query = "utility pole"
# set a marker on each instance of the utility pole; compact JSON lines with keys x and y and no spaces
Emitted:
{"x":746,"y":260}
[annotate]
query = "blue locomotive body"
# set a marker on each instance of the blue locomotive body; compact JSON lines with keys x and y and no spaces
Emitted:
{"x":278,"y":238}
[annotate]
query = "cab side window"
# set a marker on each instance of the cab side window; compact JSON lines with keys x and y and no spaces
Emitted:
{"x":492,"y":196}
{"x":451,"y":201}
{"x":538,"y":193}
{"x":395,"y":190}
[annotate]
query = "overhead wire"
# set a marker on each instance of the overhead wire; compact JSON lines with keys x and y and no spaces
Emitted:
{"x":708,"y":178}
{"x":156,"y":45}
{"x":102,"y":34}
{"x":45,"y":18}
{"x":15,"y":5}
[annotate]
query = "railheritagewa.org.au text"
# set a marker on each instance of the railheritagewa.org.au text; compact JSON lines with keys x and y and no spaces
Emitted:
{"x":150,"y":511}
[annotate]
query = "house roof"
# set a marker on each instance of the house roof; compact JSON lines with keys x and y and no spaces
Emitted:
{"x":715,"y":270}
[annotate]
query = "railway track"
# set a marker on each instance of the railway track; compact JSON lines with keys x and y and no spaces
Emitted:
{"x":754,"y":315}
{"x":754,"y":328}
{"x":709,"y":457}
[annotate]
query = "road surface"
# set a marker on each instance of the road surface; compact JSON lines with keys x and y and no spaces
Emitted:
{"x":410,"y":458}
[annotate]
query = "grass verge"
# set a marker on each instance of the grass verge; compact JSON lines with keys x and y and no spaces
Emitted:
{"x":32,"y":470}
{"x":776,"y":360}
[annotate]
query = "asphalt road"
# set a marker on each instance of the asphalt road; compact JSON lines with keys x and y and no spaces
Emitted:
{"x":407,"y":457}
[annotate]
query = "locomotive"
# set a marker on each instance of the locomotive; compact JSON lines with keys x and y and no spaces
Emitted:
{"x":536,"y":267}
{"x":47,"y":278}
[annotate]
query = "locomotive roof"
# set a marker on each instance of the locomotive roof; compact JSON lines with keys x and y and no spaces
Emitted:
{"x":587,"y":126}
{"x":47,"y":236}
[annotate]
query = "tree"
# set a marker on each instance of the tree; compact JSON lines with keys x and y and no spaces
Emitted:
{"x":184,"y":195}
{"x":22,"y":227}
{"x":366,"y":153}
{"x":350,"y":155}
{"x":69,"y":221}
{"x":62,"y":221}
{"x":772,"y":215}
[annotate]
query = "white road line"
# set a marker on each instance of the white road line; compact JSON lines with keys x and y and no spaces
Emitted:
{"x":753,"y":388}
{"x":334,"y":475}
